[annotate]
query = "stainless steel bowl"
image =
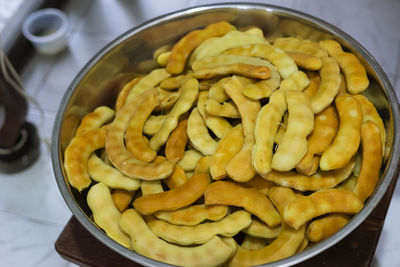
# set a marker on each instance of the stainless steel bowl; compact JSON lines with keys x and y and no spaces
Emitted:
{"x":103,"y":76}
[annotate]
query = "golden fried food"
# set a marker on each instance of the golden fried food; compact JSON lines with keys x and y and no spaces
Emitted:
{"x":95,"y":119}
{"x":261,"y":230}
{"x":153,"y":124}
{"x":105,"y":214}
{"x":198,"y":134}
{"x":151,"y":187}
{"x":319,"y":203}
{"x":226,"y":109}
{"x":226,"y":193}
{"x":253,"y":243}
{"x":295,"y":45}
{"x":323,"y":228}
{"x":193,"y":214}
{"x":123,"y":94}
{"x":371,"y":160}
{"x":182,"y":49}
{"x":263,"y":88}
{"x":355,"y":73}
{"x":260,"y":184}
{"x":175,"y":146}
{"x":177,"y":178}
{"x":347,"y":140}
{"x":189,"y":160}
{"x":174,"y":82}
{"x":176,"y":198}
{"x":144,"y":241}
{"x":121,"y":198}
{"x":326,"y":125}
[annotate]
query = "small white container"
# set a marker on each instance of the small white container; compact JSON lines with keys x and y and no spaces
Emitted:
{"x":46,"y":29}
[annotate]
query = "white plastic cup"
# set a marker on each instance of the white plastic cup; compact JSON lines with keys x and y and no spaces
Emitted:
{"x":46,"y":29}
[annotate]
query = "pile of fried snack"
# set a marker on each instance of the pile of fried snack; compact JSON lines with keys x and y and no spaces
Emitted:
{"x":235,"y":151}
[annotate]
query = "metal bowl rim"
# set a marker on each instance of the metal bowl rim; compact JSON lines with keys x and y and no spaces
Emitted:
{"x":392,"y":169}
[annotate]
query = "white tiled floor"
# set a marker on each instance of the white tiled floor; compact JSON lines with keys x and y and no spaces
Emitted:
{"x":32,"y":211}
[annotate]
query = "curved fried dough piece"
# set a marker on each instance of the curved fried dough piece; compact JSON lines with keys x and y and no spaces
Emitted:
{"x":349,"y":184}
{"x":144,"y":241}
{"x":95,"y":119}
{"x":201,"y":233}
{"x":371,"y":161}
{"x":295,"y":82}
{"x":110,"y":176}
{"x":305,"y":61}
{"x":226,"y":193}
{"x":151,"y":187}
{"x":149,"y":81}
{"x":217,"y":91}
{"x":121,"y":198}
{"x":226,"y":109}
{"x":285,"y":245}
{"x":216,"y":45}
{"x":323,"y":228}
{"x":240,"y":167}
{"x":193,"y":215}
{"x":166,"y":99}
{"x":283,"y":62}
{"x":320,"y":180}
{"x":264,"y":88}
{"x":198,"y":134}
{"x":266,"y":127}
{"x":260,"y":184}
{"x":123,"y":94}
{"x":189,"y":160}
{"x":347,"y":140}
{"x":313,"y":86}
{"x":261,"y":230}
{"x":153,"y":124}
{"x":175,"y":146}
{"x":326,"y":125}
{"x":282,"y":129}
{"x":371,"y":114}
{"x":182,"y":49}
{"x":174,"y":82}
{"x":356,"y":76}
{"x":189,"y":92}
{"x":329,"y":87}
{"x":295,"y":45}
{"x":177,"y":178}
{"x":134,"y":141}
{"x":247,"y":70}
{"x":163,"y":58}
{"x":253,"y":243}
{"x":226,"y":149}
{"x":293,"y":145}
{"x":319,"y":203}
{"x":176,"y":198}
{"x":203,"y":165}
{"x":77,"y":154}
{"x":121,"y":158}
{"x":105,"y":214}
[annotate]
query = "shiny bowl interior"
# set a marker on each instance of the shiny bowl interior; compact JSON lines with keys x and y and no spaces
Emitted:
{"x":132,"y":53}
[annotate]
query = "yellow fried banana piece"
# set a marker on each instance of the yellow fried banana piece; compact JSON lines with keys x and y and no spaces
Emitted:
{"x":121,"y":198}
{"x":176,"y":198}
{"x":318,"y":181}
{"x":201,"y":233}
{"x":121,"y":158}
{"x":240,"y":167}
{"x":326,"y":125}
{"x":293,"y":145}
{"x":134,"y":141}
{"x":95,"y":119}
{"x":226,"y":193}
{"x":305,"y":61}
{"x":259,"y":229}
{"x":226,"y":149}
{"x":285,"y":245}
{"x":189,"y":93}
{"x":105,"y":214}
{"x":149,"y":81}
{"x":123,"y":94}
{"x":329,"y":86}
{"x":266,"y":127}
{"x":77,"y":154}
{"x":291,"y":44}
{"x":319,"y":203}
{"x":216,"y":45}
{"x":355,"y":73}
{"x":175,"y":146}
{"x":282,"y":61}
{"x":371,"y":114}
{"x":198,"y":134}
{"x":110,"y":176}
{"x":347,"y":140}
{"x":194,"y":214}
{"x":371,"y":161}
{"x":182,"y":49}
{"x":214,"y":252}
{"x":323,"y":228}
